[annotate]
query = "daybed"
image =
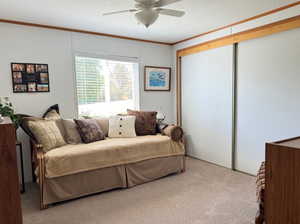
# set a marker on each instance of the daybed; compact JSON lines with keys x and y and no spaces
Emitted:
{"x":72,"y":171}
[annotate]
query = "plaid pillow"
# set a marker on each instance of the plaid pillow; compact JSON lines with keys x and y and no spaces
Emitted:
{"x":89,"y":130}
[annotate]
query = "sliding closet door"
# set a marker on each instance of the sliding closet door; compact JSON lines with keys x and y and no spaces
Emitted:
{"x":207,"y":104}
{"x":268,"y":104}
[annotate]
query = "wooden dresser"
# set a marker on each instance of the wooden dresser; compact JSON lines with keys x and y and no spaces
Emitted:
{"x":10,"y":201}
{"x":282,"y":193}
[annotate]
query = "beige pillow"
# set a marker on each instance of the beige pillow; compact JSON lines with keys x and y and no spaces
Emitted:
{"x":122,"y":127}
{"x":71,"y":132}
{"x":47,"y":133}
{"x":52,"y":115}
{"x":102,"y":121}
{"x":104,"y":124}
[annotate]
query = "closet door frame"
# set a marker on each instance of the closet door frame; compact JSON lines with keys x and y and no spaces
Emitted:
{"x":269,"y":29}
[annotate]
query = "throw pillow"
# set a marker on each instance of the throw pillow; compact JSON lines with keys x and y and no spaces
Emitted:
{"x":104,"y":124}
{"x":121,"y":127}
{"x":25,"y":118}
{"x":53,"y":107}
{"x":102,"y":121}
{"x":24,"y":124}
{"x":71,"y":132}
{"x":89,"y":130}
{"x":174,"y":132}
{"x":46,"y":133}
{"x":53,"y":115}
{"x":145,"y":123}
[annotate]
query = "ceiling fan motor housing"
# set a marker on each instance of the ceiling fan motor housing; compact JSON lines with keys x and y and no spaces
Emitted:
{"x":147,"y":16}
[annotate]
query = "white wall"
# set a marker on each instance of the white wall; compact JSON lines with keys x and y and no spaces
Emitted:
{"x":56,"y":48}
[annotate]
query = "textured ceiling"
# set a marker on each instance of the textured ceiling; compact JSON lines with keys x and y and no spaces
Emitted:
{"x":201,"y":16}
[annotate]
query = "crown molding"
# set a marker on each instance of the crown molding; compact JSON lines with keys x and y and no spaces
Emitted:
{"x":79,"y":31}
{"x":241,"y":21}
{"x":276,"y":27}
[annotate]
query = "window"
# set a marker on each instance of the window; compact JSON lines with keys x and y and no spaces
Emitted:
{"x":105,"y":87}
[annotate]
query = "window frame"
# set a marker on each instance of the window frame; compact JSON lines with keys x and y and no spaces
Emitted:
{"x":136,"y":80}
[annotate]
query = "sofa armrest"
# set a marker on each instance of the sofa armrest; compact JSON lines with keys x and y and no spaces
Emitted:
{"x":37,"y":157}
{"x":173,"y":131}
{"x":37,"y":150}
{"x":38,"y":162}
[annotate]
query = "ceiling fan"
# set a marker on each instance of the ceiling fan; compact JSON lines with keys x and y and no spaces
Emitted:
{"x":147,"y":11}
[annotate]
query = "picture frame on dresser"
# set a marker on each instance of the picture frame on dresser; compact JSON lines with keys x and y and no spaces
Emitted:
{"x":30,"y":77}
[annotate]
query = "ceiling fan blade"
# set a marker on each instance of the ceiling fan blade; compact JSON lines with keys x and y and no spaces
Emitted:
{"x":170,"y":12}
{"x":162,"y":3}
{"x":118,"y":12}
{"x":146,"y":1}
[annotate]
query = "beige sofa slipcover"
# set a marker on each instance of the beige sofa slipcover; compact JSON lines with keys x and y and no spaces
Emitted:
{"x":104,"y":179}
{"x":72,"y":159}
{"x":73,"y":171}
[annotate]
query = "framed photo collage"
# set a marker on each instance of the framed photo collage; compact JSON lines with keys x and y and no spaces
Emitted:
{"x":30,"y":77}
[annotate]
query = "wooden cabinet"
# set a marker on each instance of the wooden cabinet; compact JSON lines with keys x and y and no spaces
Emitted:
{"x":282,"y":193}
{"x":10,"y":201}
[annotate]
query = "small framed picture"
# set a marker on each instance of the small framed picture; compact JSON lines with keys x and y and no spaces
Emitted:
{"x":42,"y":88}
{"x":30,"y":77}
{"x":18,"y":67}
{"x":17,"y":77}
{"x":41,"y":68}
{"x":31,"y":87}
{"x":20,"y":88}
{"x":157,"y":78}
{"x":44,"y":78}
{"x":30,"y":69}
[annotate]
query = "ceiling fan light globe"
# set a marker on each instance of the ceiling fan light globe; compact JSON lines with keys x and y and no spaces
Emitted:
{"x":147,"y":16}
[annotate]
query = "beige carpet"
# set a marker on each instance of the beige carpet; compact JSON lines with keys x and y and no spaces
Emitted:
{"x":204,"y":194}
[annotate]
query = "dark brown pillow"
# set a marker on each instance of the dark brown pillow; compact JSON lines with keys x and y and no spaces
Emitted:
{"x":145,"y":122}
{"x":89,"y":130}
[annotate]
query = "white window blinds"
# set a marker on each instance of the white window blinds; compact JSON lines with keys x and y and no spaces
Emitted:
{"x":90,"y":81}
{"x":105,"y":87}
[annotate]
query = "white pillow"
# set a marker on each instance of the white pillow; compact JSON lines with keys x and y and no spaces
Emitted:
{"x":121,"y":127}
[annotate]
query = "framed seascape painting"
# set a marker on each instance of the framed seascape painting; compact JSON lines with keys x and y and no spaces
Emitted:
{"x":157,"y":78}
{"x":30,"y":78}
